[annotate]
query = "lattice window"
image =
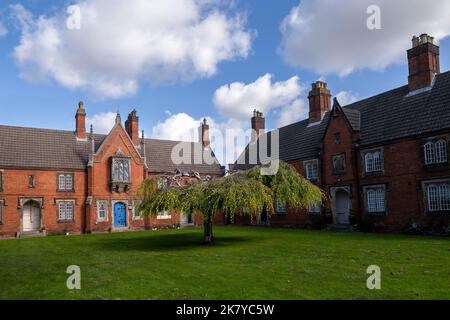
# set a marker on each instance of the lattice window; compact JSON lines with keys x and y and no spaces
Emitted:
{"x":436,"y":152}
{"x":102,"y":210}
{"x":373,"y":161}
{"x":121,"y":170}
{"x":441,"y":151}
{"x":376,"y":200}
{"x":164,"y":215}
{"x":66,"y":210}
{"x":65,"y":182}
{"x":312,"y":170}
{"x":438,"y":197}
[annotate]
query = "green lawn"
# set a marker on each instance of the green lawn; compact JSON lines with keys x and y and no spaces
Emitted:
{"x":246,"y":263}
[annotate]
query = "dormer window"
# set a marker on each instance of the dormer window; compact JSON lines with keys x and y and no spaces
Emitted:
{"x":120,"y":173}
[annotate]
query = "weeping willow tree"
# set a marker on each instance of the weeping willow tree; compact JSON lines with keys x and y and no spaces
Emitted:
{"x":247,"y":190}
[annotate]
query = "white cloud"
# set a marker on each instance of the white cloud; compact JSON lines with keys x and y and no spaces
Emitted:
{"x":177,"y":127}
{"x":331,"y":36}
{"x":122,"y":44}
{"x":236,"y":101}
{"x":347,"y":97}
{"x":294,"y":112}
{"x":102,"y":122}
{"x":3,"y":30}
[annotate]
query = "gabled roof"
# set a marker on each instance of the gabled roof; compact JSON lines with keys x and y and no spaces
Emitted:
{"x":385,"y":117}
{"x":34,"y":148}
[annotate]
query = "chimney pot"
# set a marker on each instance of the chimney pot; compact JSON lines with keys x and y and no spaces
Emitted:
{"x":132,"y":127}
{"x":80,"y":122}
{"x":423,"y":62}
{"x":319,"y":101}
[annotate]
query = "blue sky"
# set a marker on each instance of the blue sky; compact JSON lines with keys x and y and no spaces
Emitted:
{"x":52,"y":104}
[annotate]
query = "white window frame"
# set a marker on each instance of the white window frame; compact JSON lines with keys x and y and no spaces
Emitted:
{"x":311,"y":169}
{"x":64,"y":204}
{"x":66,"y":182}
{"x":441,"y":151}
{"x":436,"y":152}
{"x":375,"y":200}
{"x":438,"y":196}
{"x":373,"y":161}
{"x":164,"y":215}
{"x":99,"y":204}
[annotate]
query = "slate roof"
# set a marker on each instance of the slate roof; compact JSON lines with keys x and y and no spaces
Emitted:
{"x":385,"y":117}
{"x":56,"y":149}
{"x":396,"y":114}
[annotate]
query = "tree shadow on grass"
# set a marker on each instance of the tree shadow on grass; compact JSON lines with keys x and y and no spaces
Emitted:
{"x":168,"y":242}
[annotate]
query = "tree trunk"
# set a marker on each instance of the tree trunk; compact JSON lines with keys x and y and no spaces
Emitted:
{"x":208,"y":233}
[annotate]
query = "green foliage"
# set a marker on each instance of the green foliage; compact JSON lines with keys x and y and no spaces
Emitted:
{"x":246,"y":189}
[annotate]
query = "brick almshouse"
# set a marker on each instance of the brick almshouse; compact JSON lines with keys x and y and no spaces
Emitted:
{"x":73,"y":182}
{"x":383,"y":161}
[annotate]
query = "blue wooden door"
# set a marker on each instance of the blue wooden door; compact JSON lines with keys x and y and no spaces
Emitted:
{"x":120,"y":215}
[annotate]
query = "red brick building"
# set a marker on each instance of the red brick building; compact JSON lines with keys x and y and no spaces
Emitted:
{"x":382,"y":161}
{"x":72,"y":182}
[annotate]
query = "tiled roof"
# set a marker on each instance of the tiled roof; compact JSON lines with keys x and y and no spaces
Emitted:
{"x":388,"y":116}
{"x":397,"y":114}
{"x":57,"y":149}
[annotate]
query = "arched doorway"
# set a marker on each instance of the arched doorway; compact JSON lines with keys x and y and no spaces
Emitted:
{"x":342,"y":207}
{"x":120,"y":215}
{"x":31,"y":216}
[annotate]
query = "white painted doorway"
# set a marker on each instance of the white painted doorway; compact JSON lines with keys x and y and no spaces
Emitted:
{"x":342,"y":207}
{"x":31,"y":216}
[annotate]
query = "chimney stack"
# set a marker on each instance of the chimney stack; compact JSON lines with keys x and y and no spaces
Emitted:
{"x":204,"y":134}
{"x":319,"y":101}
{"x":132,"y":127}
{"x":80,"y":122}
{"x":423,"y":62}
{"x":258,"y":124}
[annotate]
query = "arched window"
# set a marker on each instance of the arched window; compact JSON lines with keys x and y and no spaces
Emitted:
{"x":429,"y":152}
{"x":433,"y":198}
{"x":441,"y":151}
{"x":377,"y":161}
{"x":369,"y":162}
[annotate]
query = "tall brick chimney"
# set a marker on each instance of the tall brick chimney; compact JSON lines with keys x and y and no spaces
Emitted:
{"x":132,"y":127}
{"x":423,"y":62}
{"x":319,"y":101}
{"x":204,"y":134}
{"x":258,"y":124}
{"x":80,"y":122}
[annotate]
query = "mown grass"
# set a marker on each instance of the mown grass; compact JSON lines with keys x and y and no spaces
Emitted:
{"x":245,"y":263}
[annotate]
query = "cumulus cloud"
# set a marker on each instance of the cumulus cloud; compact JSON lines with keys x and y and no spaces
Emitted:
{"x":331,"y":36}
{"x":102,"y":122}
{"x":122,"y":44}
{"x":3,"y":30}
{"x":294,"y":112}
{"x":237,"y":100}
{"x":347,"y":97}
